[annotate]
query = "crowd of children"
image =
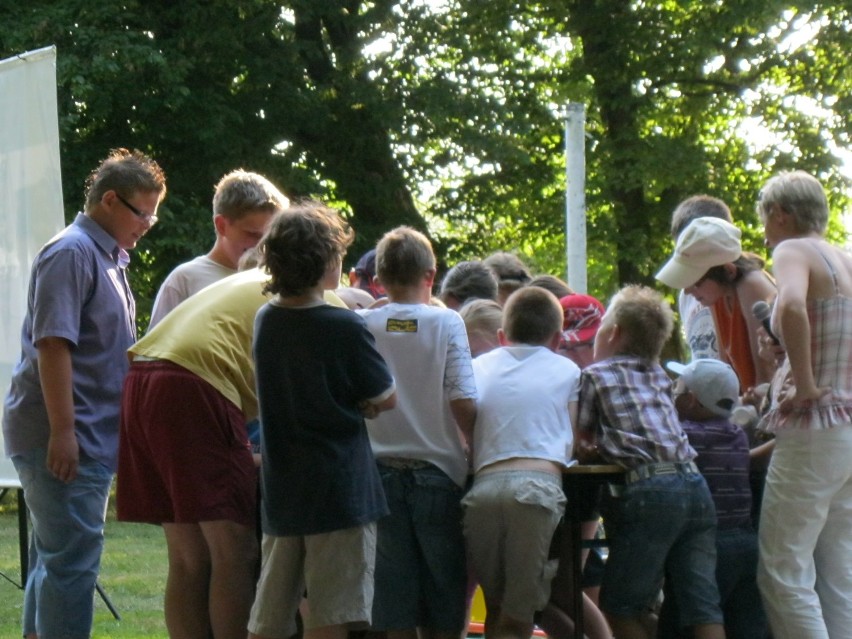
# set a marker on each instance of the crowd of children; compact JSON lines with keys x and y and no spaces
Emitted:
{"x":509,"y":418}
{"x":416,"y":446}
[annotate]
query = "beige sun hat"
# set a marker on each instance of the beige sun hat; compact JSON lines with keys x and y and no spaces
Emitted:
{"x":705,"y":243}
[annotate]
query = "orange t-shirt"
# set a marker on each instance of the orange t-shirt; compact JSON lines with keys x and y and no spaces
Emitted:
{"x":732,"y":331}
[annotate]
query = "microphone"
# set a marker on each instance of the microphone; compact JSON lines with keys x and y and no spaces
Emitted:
{"x":762,"y":312}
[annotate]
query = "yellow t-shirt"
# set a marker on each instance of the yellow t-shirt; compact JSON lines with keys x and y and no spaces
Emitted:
{"x":210,"y":334}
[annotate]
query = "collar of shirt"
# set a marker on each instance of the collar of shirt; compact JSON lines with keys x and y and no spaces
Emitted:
{"x":103,"y":239}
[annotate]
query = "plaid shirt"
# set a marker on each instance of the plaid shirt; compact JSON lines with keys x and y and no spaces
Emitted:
{"x":626,"y":404}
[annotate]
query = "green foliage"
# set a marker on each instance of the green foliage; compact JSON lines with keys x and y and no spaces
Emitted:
{"x":449,"y":116}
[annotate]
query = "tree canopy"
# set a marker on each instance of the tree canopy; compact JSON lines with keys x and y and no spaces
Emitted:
{"x":448,"y":116}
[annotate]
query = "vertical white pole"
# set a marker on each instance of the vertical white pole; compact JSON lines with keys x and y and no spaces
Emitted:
{"x":575,"y":196}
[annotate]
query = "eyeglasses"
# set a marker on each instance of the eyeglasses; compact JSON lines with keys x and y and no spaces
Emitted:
{"x":150,"y":218}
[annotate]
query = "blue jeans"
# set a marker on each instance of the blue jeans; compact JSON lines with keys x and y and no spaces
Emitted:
{"x":421,"y":569}
{"x":664,"y":525}
{"x":736,"y":575}
{"x":65,"y":550}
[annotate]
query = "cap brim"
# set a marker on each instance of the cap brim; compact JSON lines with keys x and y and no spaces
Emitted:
{"x":676,"y":367}
{"x":676,"y":274}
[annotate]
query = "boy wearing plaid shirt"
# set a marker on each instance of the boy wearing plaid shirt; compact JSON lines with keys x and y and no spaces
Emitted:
{"x":663,"y":522}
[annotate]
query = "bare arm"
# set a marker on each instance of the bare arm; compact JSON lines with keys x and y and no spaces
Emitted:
{"x":464,"y":412}
{"x":753,"y":288}
{"x":371,"y":409}
{"x":760,"y":455}
{"x":386,"y":404}
{"x":573,"y":412}
{"x":585,"y":449}
{"x":54,"y":365}
{"x":791,"y":265}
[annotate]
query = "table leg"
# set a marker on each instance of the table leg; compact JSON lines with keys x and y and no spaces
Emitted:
{"x":23,"y":537}
{"x":576,"y":563}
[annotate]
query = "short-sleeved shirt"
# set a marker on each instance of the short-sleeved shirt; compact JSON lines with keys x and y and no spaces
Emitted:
{"x":79,"y":292}
{"x":427,"y":352}
{"x":524,"y":393}
{"x":211,"y":336}
{"x":626,"y":402}
{"x":315,"y":365}
{"x":698,"y":327}
{"x":723,"y":459}
{"x":185,"y":281}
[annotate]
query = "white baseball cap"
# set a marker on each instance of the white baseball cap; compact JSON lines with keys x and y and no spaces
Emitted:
{"x":705,"y":243}
{"x":713,"y":382}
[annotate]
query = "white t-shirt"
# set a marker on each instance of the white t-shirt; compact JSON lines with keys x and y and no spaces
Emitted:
{"x":186,"y":280}
{"x":524,"y":392}
{"x":699,"y":330}
{"x":427,"y":352}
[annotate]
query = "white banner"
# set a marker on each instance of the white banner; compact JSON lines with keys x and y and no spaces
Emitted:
{"x":30,"y":190}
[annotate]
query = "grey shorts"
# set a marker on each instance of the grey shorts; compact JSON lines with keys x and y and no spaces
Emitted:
{"x":336,"y":568}
{"x":509,"y":520}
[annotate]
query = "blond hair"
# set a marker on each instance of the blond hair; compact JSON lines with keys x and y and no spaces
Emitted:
{"x":645,"y":319}
{"x":403,"y":256}
{"x":801,"y":195}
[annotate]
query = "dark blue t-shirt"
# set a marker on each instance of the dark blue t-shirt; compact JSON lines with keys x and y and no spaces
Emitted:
{"x":314,"y":366}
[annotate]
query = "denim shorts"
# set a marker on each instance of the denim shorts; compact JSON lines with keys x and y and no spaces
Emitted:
{"x":663,"y":525}
{"x":421,"y":572}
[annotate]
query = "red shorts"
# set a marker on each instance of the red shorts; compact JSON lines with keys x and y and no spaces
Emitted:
{"x":184,"y":455}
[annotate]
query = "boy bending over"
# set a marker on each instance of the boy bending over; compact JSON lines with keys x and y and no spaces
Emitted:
{"x":664,"y":521}
{"x":522,"y":441}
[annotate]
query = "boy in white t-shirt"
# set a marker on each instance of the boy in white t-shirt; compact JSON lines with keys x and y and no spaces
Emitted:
{"x":523,"y":439}
{"x":421,"y":571}
{"x":243,"y":206}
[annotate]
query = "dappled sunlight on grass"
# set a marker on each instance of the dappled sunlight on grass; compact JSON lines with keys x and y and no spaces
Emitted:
{"x":133,"y":575}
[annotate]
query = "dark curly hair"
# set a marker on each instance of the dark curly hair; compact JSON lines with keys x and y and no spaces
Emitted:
{"x":299,"y":246}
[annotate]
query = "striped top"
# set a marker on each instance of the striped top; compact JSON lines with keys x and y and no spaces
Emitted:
{"x":723,"y":459}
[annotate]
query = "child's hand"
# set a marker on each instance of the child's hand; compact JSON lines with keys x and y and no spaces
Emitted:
{"x":368,"y":410}
{"x":588,"y":453}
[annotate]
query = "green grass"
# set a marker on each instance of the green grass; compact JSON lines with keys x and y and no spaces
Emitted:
{"x":133,"y":574}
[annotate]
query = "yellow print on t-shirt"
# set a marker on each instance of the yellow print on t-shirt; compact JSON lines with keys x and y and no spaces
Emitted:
{"x":401,"y":325}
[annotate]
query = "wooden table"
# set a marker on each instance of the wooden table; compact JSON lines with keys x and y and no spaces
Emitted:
{"x":574,"y":480}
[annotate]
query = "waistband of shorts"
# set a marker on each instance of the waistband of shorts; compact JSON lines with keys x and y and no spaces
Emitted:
{"x":522,"y":473}
{"x":404,"y":463}
{"x":661,"y":468}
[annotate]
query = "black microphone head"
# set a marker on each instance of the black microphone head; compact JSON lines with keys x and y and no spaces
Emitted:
{"x":761,"y":310}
